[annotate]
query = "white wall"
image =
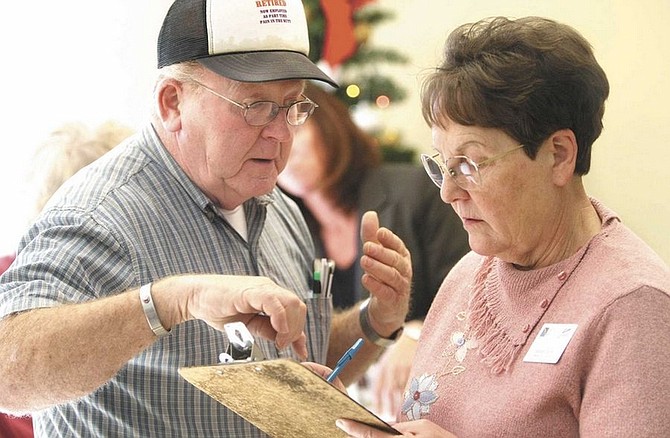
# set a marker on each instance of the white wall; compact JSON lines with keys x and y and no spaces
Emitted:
{"x":71,"y":60}
{"x":94,"y":60}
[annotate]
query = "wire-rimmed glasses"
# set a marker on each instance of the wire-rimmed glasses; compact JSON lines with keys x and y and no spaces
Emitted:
{"x":460,"y":168}
{"x":262,"y":112}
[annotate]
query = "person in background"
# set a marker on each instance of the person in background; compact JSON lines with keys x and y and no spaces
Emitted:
{"x":558,"y":323}
{"x":5,"y":261}
{"x":335,"y":174}
{"x":67,"y":149}
{"x":138,"y":261}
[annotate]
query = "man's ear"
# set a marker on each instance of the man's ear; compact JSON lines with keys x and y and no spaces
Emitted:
{"x":563,"y":146}
{"x":168,"y":98}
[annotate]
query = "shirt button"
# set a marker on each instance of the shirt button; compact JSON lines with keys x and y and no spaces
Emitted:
{"x":562,"y":275}
{"x":544,"y":303}
{"x":526,"y":328}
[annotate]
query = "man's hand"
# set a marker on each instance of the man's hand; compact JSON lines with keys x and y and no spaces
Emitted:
{"x":267,"y":309}
{"x":388,"y":275}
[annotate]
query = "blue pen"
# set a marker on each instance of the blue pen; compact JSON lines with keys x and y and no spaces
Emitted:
{"x":346,"y":357}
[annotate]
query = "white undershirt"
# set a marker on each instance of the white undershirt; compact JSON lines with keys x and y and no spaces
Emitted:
{"x":236,"y":219}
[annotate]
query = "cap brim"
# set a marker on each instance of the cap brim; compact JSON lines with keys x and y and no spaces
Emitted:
{"x":265,"y":66}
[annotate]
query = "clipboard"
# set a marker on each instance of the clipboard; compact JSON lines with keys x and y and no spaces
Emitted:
{"x":281,"y":397}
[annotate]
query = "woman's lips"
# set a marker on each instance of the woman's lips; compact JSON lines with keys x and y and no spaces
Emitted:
{"x":469,"y":221}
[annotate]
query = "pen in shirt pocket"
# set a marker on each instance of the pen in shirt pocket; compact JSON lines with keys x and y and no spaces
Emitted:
{"x":322,"y":277}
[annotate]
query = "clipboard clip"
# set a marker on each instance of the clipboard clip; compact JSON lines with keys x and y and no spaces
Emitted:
{"x":241,"y":345}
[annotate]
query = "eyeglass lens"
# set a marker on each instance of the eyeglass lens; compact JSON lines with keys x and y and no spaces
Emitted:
{"x":461,"y":169}
{"x":433,"y":169}
{"x":262,"y":113}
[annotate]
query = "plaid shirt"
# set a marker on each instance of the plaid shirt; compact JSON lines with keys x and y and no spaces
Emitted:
{"x":133,"y":217}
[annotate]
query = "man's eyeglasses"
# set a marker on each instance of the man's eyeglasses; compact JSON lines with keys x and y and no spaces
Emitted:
{"x":264,"y":111}
{"x":460,"y":168}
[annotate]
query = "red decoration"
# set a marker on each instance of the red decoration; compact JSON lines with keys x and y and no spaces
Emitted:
{"x":357,"y":4}
{"x":340,"y":41}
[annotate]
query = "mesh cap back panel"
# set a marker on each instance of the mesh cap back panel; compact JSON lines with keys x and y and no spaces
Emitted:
{"x":183,"y":36}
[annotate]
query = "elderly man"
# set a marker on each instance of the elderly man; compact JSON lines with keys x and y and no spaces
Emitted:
{"x":137,"y":263}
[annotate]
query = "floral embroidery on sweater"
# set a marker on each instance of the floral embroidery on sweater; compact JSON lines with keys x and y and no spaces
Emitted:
{"x":420,"y":395}
{"x":422,"y":390}
{"x":461,"y":342}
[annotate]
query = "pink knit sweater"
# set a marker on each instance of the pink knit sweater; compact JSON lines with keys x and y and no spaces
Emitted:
{"x":613,"y":378}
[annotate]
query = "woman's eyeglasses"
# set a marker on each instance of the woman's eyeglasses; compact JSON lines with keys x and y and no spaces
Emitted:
{"x":264,"y":111}
{"x":460,"y":168}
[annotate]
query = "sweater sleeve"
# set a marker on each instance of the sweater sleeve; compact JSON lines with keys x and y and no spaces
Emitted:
{"x":626,"y":388}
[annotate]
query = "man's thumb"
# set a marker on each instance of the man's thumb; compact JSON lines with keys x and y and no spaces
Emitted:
{"x":369,"y":226}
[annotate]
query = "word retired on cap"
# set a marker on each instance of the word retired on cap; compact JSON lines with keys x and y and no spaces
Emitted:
{"x":261,"y":4}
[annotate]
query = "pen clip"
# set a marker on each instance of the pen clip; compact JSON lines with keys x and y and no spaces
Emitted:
{"x":316,"y":278}
{"x":322,"y":276}
{"x":329,"y":276}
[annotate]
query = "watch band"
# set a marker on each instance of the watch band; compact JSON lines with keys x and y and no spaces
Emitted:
{"x":150,"y":311}
{"x":370,"y":333}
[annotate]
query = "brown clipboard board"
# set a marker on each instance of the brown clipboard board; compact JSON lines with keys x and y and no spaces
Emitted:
{"x":281,"y":397}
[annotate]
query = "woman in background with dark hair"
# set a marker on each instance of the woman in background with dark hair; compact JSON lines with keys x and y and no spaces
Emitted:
{"x":335,"y":173}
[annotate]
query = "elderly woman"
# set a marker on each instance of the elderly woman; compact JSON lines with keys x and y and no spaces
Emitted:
{"x":557,"y":324}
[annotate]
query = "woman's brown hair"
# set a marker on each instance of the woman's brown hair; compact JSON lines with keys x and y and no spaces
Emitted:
{"x":528,"y":77}
{"x":349,"y":151}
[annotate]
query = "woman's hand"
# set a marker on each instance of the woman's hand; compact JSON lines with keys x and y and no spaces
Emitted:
{"x":324,"y":372}
{"x":418,"y":428}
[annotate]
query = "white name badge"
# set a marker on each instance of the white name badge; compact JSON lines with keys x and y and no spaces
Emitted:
{"x":550,"y":343}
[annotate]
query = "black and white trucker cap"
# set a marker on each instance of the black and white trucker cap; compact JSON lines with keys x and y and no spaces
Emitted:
{"x":243,"y":40}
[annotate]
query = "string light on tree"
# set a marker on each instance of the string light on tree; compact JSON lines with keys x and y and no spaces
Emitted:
{"x":383,"y":101}
{"x":353,"y":91}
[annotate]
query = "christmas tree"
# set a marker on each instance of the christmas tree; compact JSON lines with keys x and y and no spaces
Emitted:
{"x":339,"y":33}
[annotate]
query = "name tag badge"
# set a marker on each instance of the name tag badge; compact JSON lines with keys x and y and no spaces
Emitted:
{"x":550,"y":343}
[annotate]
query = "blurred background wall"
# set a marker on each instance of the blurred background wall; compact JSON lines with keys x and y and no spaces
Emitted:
{"x":91,"y":61}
